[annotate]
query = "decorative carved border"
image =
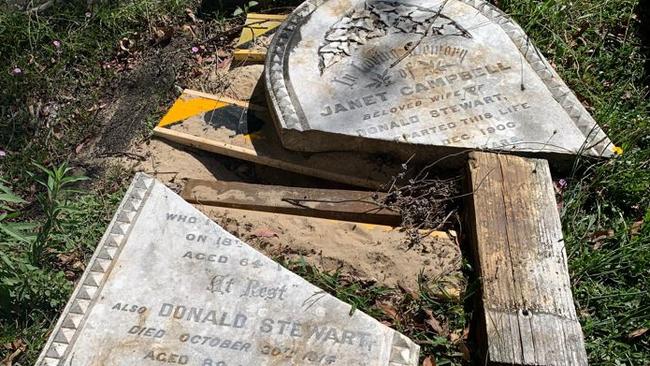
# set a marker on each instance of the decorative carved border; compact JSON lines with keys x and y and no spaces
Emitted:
{"x":284,"y":108}
{"x":89,"y":287}
{"x":275,"y":66}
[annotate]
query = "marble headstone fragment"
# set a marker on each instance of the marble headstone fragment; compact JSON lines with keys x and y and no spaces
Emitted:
{"x":168,"y":286}
{"x":429,"y":77}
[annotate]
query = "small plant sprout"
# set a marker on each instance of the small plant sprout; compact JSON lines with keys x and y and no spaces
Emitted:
{"x":54,"y":201}
{"x":245,"y":9}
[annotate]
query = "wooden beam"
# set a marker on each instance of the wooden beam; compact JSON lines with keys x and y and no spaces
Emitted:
{"x":288,"y":161}
{"x":357,"y":206}
{"x":528,"y":316}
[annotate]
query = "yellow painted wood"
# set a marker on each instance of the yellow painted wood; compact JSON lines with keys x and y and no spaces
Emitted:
{"x":250,"y":56}
{"x":223,"y":99}
{"x":187,"y":106}
{"x":257,"y":25}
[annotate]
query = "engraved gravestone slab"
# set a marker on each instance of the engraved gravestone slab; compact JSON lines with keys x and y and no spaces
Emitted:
{"x":425,"y":76}
{"x":168,"y":286}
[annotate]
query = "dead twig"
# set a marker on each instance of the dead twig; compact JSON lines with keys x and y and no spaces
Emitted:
{"x":300,"y":202}
{"x":426,"y":202}
{"x":125,"y":154}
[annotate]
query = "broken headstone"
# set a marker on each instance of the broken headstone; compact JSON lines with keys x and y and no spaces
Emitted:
{"x":425,"y":77}
{"x":168,"y":285}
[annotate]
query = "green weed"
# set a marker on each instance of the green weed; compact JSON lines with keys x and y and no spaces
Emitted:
{"x":39,"y":259}
{"x":26,"y":282}
{"x":53,"y":203}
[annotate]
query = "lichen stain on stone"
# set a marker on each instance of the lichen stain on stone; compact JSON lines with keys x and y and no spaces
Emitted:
{"x":107,"y":351}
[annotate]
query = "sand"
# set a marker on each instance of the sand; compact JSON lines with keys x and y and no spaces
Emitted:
{"x":374,"y":253}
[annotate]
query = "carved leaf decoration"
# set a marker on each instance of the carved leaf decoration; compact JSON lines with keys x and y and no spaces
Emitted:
{"x":380,"y":18}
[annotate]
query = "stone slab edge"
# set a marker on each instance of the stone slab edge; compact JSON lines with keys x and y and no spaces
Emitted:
{"x":284,"y":111}
{"x":91,"y":282}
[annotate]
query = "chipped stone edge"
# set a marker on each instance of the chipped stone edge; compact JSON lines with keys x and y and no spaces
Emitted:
{"x":285,"y":113}
{"x":403,"y":351}
{"x":89,"y":287}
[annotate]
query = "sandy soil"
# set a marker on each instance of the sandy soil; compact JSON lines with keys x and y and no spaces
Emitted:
{"x":242,"y":81}
{"x":369,"y":252}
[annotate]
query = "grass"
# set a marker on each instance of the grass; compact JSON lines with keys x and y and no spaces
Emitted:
{"x":53,"y":74}
{"x":430,"y":317}
{"x":597,"y":46}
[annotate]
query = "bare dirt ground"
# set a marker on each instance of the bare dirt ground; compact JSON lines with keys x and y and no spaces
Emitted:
{"x":370,"y":253}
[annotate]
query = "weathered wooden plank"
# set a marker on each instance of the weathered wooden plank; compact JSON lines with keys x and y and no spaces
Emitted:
{"x":337,"y":204}
{"x":251,"y":136}
{"x":529,"y":316}
{"x":316,"y":165}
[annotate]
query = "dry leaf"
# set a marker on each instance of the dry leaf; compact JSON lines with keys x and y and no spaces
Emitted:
{"x":79,"y":147}
{"x":190,"y":14}
{"x":222,"y":53}
{"x":65,"y":258}
{"x":188,"y":31}
{"x":79,"y":265}
{"x":162,"y":35}
{"x":637,"y":333}
{"x":600,"y":236}
{"x":429,"y":361}
{"x":265,"y":233}
{"x":414,"y":295}
{"x":456,"y":335}
{"x":389,"y":310}
{"x":435,"y":324}
{"x":451,"y":292}
{"x":636,"y":227}
{"x":125,"y":44}
{"x":18,"y":346}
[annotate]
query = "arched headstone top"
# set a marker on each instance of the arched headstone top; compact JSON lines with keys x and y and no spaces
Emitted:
{"x":420,"y":76}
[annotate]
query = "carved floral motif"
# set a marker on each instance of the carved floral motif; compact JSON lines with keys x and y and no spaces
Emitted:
{"x":380,"y":18}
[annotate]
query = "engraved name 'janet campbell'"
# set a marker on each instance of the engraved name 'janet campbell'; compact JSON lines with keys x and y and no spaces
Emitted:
{"x":424,"y":87}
